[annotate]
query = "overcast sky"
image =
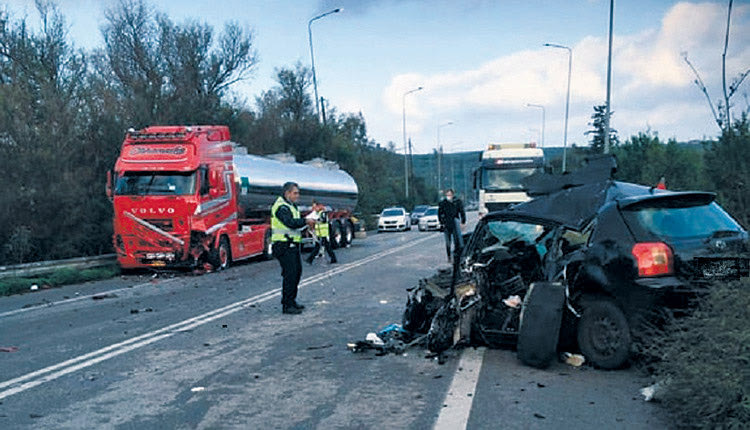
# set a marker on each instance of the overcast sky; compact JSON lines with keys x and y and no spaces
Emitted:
{"x":480,"y":61}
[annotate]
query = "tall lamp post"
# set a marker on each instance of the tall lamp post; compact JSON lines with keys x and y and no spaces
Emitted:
{"x":609,"y":77}
{"x":543,"y":118}
{"x":406,"y":153}
{"x":567,"y":100}
{"x":312,"y":56}
{"x":440,"y":156}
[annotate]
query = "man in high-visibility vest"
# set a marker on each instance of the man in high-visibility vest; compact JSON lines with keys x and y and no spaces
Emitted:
{"x":321,"y":233}
{"x":286,"y":235}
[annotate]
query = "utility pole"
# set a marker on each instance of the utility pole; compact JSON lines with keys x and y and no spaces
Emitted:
{"x":312,"y":56}
{"x":609,"y":77}
{"x":406,"y":161}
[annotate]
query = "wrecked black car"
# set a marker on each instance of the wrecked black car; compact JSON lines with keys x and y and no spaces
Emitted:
{"x":579,"y":267}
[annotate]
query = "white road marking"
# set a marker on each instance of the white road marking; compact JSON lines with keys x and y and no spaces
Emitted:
{"x":457,"y":404}
{"x":41,"y":376}
{"x":79,"y":298}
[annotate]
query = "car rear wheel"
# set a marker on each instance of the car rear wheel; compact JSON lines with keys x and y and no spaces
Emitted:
{"x":604,"y":333}
{"x":539,"y":328}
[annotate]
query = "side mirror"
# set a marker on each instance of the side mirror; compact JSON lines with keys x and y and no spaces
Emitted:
{"x":109,"y":185}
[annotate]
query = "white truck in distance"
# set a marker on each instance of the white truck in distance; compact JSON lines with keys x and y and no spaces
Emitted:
{"x":503,"y":166}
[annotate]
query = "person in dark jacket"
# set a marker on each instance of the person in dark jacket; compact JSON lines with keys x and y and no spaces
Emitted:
{"x":450,"y":213}
{"x":286,"y":238}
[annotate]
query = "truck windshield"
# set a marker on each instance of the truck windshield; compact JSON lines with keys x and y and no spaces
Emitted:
{"x":149,"y":183}
{"x":505,"y":179}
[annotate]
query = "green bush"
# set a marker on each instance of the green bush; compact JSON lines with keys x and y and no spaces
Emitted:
{"x":9,"y":286}
{"x":705,"y":365}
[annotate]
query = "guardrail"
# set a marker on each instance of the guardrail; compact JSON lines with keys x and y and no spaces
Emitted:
{"x":42,"y":267}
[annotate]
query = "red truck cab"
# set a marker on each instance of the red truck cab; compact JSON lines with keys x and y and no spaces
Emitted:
{"x":175,"y":200}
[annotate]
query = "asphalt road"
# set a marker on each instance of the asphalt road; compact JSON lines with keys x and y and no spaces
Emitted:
{"x":215,"y":351}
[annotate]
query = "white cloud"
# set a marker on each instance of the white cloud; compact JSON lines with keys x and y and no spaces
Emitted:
{"x":652,"y":85}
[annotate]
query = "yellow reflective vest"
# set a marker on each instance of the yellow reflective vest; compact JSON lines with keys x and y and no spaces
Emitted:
{"x":321,"y":225}
{"x":279,"y":231}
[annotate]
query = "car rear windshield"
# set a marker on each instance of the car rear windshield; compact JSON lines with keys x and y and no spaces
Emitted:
{"x":683,"y":221}
{"x":431,"y":211}
{"x":392,"y":212}
{"x":420,"y":209}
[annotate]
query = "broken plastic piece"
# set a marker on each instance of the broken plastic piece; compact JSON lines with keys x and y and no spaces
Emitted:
{"x":652,"y":392}
{"x":513,"y":301}
{"x":374,"y":339}
{"x":197,"y":389}
{"x":575,"y":360}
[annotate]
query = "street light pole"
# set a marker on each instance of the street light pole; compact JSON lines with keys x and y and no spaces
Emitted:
{"x":406,"y":155}
{"x":567,"y":101}
{"x":609,"y":77}
{"x":312,"y":56}
{"x":543,"y":118}
{"x":440,"y":155}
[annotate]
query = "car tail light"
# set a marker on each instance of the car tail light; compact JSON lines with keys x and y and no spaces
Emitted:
{"x":653,"y":258}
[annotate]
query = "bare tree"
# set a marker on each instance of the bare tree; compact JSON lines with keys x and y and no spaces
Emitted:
{"x":721,"y":113}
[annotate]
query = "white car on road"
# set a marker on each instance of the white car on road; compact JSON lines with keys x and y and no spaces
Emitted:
{"x":394,"y":219}
{"x":430,"y":221}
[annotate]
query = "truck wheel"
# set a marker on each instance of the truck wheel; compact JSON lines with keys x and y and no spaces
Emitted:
{"x":336,"y":235}
{"x":221,"y":258}
{"x":603,"y":333}
{"x":348,"y":232}
{"x":267,"y":245}
{"x":539,"y":328}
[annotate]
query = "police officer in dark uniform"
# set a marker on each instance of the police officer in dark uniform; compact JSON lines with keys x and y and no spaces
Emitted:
{"x":286,"y":236}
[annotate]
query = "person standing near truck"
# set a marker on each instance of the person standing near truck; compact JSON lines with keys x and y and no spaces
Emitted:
{"x":286,"y":236}
{"x":321,"y":233}
{"x":450,"y":213}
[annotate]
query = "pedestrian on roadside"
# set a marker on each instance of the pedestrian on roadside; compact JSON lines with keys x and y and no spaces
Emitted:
{"x":286,"y":238}
{"x":321,"y":232}
{"x":450,"y":213}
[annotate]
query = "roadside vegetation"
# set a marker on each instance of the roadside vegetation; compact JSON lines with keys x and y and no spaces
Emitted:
{"x":18,"y":285}
{"x":702,"y":360}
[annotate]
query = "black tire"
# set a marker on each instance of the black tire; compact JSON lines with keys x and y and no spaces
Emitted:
{"x":539,"y":327}
{"x":603,"y":333}
{"x":221,"y":257}
{"x":267,"y":245}
{"x":336,"y":236}
{"x":348,"y":232}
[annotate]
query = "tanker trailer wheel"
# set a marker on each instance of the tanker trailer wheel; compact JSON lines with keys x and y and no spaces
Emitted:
{"x":603,"y":333}
{"x":337,"y":237}
{"x":348,"y":232}
{"x":267,"y":245}
{"x":539,"y":328}
{"x":221,"y":258}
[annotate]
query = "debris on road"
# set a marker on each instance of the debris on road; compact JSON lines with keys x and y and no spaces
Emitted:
{"x":575,"y":360}
{"x":653,"y":392}
{"x":8,"y":349}
{"x":104,"y":296}
{"x":197,"y":389}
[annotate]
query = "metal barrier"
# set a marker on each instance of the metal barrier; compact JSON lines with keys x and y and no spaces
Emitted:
{"x":42,"y":267}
